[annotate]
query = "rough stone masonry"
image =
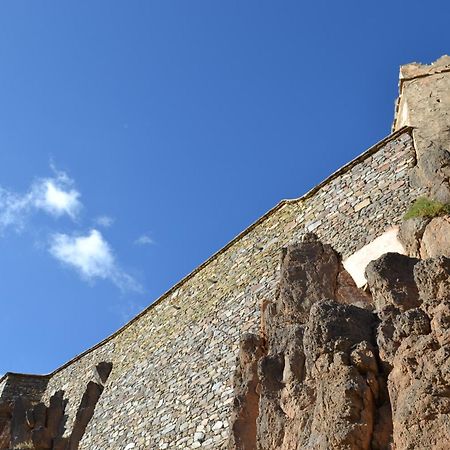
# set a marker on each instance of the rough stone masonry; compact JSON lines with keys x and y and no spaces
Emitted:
{"x":165,"y":380}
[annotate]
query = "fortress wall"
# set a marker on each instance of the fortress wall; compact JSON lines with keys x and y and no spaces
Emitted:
{"x":424,"y":103}
{"x":173,"y":365}
{"x":26,"y":388}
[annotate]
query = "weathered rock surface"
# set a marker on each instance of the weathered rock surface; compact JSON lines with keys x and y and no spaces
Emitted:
{"x":35,"y":426}
{"x":326,"y":373}
{"x":436,"y":238}
{"x":391,"y":280}
{"x":300,"y":286}
{"x":418,"y":349}
{"x":246,"y":401}
{"x":426,"y":237}
{"x":410,"y":235}
{"x":433,"y":171}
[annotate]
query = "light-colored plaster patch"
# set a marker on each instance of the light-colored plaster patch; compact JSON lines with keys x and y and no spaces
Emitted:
{"x":386,"y":243}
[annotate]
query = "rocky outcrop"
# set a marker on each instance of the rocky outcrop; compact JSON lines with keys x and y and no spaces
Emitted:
{"x":410,"y":235}
{"x":414,"y":342}
{"x":32,"y":425}
{"x":353,"y":371}
{"x":425,"y":237}
{"x":246,"y":402}
{"x":436,"y":238}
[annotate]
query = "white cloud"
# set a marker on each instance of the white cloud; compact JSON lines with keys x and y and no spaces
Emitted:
{"x":56,"y":196}
{"x":90,"y":254}
{"x":144,"y":240}
{"x":13,"y":209}
{"x":104,"y":221}
{"x":92,"y":257}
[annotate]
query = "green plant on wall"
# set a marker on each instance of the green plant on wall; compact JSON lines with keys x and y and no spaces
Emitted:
{"x":424,"y":207}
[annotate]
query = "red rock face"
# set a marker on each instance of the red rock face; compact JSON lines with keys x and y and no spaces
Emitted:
{"x":326,"y":373}
{"x":436,"y":238}
{"x":31,"y":425}
{"x":5,"y":426}
{"x":419,"y":383}
{"x":246,"y":402}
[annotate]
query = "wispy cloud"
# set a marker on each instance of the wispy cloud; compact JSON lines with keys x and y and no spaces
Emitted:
{"x":55,"y":196}
{"x":89,"y":253}
{"x":104,"y":221}
{"x":13,"y":209}
{"x":92,"y":257}
{"x":144,"y":240}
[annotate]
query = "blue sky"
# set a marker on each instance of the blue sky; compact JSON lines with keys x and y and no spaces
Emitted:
{"x":139,"y":137}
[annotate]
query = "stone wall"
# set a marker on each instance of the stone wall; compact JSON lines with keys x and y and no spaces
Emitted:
{"x":171,"y":380}
{"x":424,"y":104}
{"x":13,"y":387}
{"x":31,"y":387}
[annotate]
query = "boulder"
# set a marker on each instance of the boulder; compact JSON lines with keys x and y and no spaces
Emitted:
{"x":436,"y":238}
{"x":410,"y":235}
{"x":391,"y":281}
{"x":309,"y":273}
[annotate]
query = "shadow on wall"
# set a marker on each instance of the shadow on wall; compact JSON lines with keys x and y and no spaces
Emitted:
{"x":41,"y":427}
